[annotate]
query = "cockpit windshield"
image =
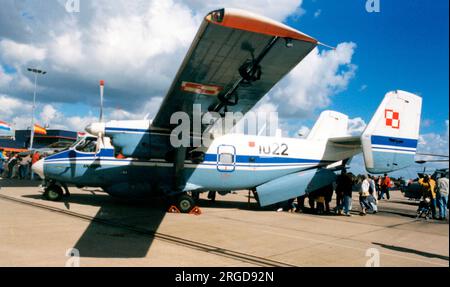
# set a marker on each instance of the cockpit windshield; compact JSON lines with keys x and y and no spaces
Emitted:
{"x":87,"y":144}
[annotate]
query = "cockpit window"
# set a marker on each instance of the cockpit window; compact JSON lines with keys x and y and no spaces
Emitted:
{"x":87,"y":145}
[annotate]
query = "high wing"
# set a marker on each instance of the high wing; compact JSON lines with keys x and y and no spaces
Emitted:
{"x":235,"y":59}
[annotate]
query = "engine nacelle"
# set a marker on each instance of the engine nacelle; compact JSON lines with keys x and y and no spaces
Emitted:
{"x":133,"y":138}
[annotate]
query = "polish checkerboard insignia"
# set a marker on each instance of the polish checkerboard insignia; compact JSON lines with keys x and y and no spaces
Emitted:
{"x":392,"y":118}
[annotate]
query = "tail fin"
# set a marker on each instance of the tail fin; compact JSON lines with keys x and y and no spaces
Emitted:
{"x":330,"y":124}
{"x":390,"y":140}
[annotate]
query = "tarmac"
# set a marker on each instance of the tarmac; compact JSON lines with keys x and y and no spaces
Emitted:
{"x":105,"y":231}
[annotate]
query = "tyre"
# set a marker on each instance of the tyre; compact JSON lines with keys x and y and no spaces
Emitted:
{"x":53,"y":192}
{"x":185,"y":203}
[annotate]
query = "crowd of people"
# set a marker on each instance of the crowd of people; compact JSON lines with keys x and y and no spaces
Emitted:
{"x":17,"y":165}
{"x":435,"y":192}
{"x":371,"y":189}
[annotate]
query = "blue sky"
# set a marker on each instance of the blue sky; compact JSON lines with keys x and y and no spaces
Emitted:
{"x":404,"y":46}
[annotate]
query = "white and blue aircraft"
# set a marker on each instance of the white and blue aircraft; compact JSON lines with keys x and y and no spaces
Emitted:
{"x":234,"y":60}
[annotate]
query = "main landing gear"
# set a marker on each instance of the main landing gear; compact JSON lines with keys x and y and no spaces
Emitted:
{"x":183,"y":203}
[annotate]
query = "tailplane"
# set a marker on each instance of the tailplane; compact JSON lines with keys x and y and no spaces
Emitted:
{"x":330,"y":124}
{"x":389,"y":141}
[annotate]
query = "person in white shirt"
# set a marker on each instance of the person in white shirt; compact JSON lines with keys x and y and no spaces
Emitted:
{"x":364,"y":194}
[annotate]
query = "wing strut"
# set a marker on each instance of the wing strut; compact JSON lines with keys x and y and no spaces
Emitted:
{"x":250,"y":72}
{"x":180,"y":156}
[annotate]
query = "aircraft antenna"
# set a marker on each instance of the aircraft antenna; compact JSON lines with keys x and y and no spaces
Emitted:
{"x":325,"y":45}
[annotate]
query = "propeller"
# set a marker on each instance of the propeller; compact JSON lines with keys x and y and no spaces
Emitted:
{"x":99,"y":127}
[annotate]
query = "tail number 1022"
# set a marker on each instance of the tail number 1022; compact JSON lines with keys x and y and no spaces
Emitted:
{"x":274,"y":149}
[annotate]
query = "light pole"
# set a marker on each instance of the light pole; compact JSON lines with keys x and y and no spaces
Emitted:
{"x":36,"y":72}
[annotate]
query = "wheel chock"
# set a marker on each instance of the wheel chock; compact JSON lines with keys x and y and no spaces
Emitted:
{"x":196,"y":211}
{"x":173,"y":209}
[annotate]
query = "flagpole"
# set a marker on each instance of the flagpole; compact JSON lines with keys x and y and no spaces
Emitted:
{"x":36,"y":72}
{"x":32,"y":117}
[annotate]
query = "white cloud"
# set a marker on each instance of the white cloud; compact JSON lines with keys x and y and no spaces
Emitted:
{"x":9,"y":107}
{"x":311,"y":84}
{"x":21,"y":53}
{"x":278,"y":10}
{"x":49,"y":113}
{"x":5,"y":79}
{"x":356,"y":126}
{"x":317,"y":13}
{"x":363,"y":88}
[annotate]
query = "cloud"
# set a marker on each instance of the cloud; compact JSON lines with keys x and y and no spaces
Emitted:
{"x":277,"y":10}
{"x":356,"y":126}
{"x":21,"y":53}
{"x":5,"y":79}
{"x":317,"y":13}
{"x":10,"y":107}
{"x":311,"y":84}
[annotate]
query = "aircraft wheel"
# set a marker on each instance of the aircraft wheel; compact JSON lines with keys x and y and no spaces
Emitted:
{"x":53,"y":192}
{"x":185,"y":203}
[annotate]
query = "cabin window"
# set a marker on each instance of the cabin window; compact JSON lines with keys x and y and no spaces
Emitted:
{"x":226,"y":158}
{"x":87,"y":145}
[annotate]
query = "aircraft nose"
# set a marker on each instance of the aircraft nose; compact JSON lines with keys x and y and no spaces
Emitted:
{"x":96,"y":128}
{"x":38,"y":168}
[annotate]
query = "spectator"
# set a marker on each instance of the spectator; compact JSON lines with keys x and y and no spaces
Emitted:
{"x":364,"y":194}
{"x":24,"y":164}
{"x":429,"y":191}
{"x":385,"y":187}
{"x":442,"y":196}
{"x":339,"y":194}
{"x":372,"y":199}
{"x":345,"y":184}
{"x":301,"y":203}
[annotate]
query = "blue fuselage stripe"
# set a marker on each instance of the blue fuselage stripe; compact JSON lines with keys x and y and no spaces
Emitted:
{"x":395,"y":142}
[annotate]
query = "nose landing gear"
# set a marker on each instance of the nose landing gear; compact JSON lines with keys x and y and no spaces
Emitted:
{"x":54,"y":191}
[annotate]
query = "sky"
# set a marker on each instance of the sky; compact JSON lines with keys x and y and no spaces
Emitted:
{"x":137,"y":47}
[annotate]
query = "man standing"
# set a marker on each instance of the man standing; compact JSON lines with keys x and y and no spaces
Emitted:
{"x":385,"y":186}
{"x":345,"y":185}
{"x":442,"y":196}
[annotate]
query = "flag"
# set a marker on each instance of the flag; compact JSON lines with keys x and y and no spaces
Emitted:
{"x":39,"y":130}
{"x":5,"y":126}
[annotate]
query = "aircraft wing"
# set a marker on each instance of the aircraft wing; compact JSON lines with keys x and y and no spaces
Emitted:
{"x":234,"y":60}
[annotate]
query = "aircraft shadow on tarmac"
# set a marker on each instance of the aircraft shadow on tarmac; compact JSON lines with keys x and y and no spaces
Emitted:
{"x":413,"y":251}
{"x":112,"y":233}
